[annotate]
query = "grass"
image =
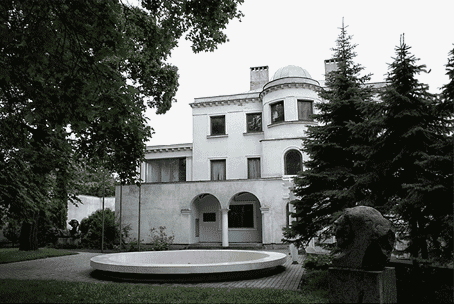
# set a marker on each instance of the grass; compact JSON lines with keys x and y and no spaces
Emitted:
{"x":51,"y":291}
{"x":10,"y":255}
{"x":316,"y":283}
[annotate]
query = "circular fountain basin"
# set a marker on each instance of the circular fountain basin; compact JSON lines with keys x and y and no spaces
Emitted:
{"x":187,"y":261}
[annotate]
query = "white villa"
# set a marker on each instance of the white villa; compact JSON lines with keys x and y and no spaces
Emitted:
{"x":232,"y":185}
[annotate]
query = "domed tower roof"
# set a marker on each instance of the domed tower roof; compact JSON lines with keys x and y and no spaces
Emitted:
{"x":289,"y":75}
{"x":290,"y":71}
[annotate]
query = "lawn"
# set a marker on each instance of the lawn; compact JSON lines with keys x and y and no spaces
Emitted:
{"x":10,"y":255}
{"x":51,"y":291}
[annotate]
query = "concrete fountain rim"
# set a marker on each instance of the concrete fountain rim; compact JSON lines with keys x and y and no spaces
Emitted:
{"x":113,"y":262}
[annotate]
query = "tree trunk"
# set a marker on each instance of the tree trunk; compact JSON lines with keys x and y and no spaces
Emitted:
{"x":62,"y":200}
{"x":422,"y":240}
{"x":414,"y":239}
{"x":28,"y":239}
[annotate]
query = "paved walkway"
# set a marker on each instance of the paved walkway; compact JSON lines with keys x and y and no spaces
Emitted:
{"x":77,"y":268}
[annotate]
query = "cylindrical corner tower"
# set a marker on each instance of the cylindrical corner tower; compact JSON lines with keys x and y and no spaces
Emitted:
{"x":288,"y":104}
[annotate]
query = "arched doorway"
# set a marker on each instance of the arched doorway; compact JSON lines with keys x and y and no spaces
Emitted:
{"x":245,"y":219}
{"x":206,"y":219}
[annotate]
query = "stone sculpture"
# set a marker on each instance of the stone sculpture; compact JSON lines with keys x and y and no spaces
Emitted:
{"x":74,"y":224}
{"x":365,"y":239}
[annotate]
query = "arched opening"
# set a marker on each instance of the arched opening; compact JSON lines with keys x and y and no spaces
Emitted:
{"x":293,"y":162}
{"x":245,"y":219}
{"x":206,"y":219}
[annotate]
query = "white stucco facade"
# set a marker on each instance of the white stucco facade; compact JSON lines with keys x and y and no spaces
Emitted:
{"x":87,"y":206}
{"x":232,"y":184}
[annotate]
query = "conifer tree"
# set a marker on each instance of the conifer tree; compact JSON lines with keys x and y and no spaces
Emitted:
{"x":335,"y":146}
{"x":413,"y":155}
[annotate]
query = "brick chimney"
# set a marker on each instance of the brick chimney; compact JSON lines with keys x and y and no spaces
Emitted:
{"x":259,"y":76}
{"x":330,"y":65}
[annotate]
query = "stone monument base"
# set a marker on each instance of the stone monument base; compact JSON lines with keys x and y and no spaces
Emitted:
{"x":68,"y":241}
{"x":348,"y":285}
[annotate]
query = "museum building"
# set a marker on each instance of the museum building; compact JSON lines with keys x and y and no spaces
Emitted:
{"x":232,"y":185}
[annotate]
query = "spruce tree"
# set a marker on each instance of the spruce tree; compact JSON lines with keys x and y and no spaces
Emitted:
{"x":413,"y":154}
{"x":335,"y":146}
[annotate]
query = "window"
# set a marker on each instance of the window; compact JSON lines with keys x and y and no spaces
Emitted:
{"x":218,"y":125}
{"x":293,"y":162}
{"x":218,"y":169}
{"x":253,"y":168}
{"x":305,"y":110}
{"x":209,"y":217}
{"x":197,"y":227}
{"x":165,"y":170}
{"x":254,"y":122}
{"x":277,"y":112}
{"x":241,"y":216}
{"x":182,"y":170}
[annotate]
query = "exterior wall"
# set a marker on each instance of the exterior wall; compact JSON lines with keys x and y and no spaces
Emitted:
{"x":180,"y":205}
{"x":283,"y":136}
{"x":171,"y":205}
{"x":274,"y":152}
{"x":89,"y":205}
{"x":235,"y":147}
{"x":291,"y":127}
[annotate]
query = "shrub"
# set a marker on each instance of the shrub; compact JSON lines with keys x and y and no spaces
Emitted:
{"x":317,"y":261}
{"x":133,"y":245}
{"x":160,"y":240}
{"x":12,"y":231}
{"x":48,"y":233}
{"x":91,"y":230}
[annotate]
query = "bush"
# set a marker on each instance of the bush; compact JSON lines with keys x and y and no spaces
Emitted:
{"x":12,"y":231}
{"x":160,"y":240}
{"x":133,"y":245}
{"x":91,"y":231}
{"x":317,"y":261}
{"x":48,"y":233}
{"x":423,"y":283}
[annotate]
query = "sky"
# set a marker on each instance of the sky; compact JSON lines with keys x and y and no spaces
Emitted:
{"x":277,"y":33}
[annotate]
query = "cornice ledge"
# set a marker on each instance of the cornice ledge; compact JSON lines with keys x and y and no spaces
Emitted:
{"x":168,"y":149}
{"x":239,"y":102}
{"x":290,"y":85}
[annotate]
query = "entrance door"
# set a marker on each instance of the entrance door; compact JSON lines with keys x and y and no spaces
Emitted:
{"x":209,"y":227}
{"x":209,"y":215}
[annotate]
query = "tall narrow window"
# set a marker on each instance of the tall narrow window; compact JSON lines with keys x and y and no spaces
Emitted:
{"x":253,"y":168}
{"x":277,"y":112}
{"x":218,"y":169}
{"x":293,"y":162}
{"x":254,"y":122}
{"x":218,"y":125}
{"x":305,"y":110}
{"x":182,"y":170}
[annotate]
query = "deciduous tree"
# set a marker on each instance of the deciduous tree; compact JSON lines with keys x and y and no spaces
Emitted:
{"x":75,"y":79}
